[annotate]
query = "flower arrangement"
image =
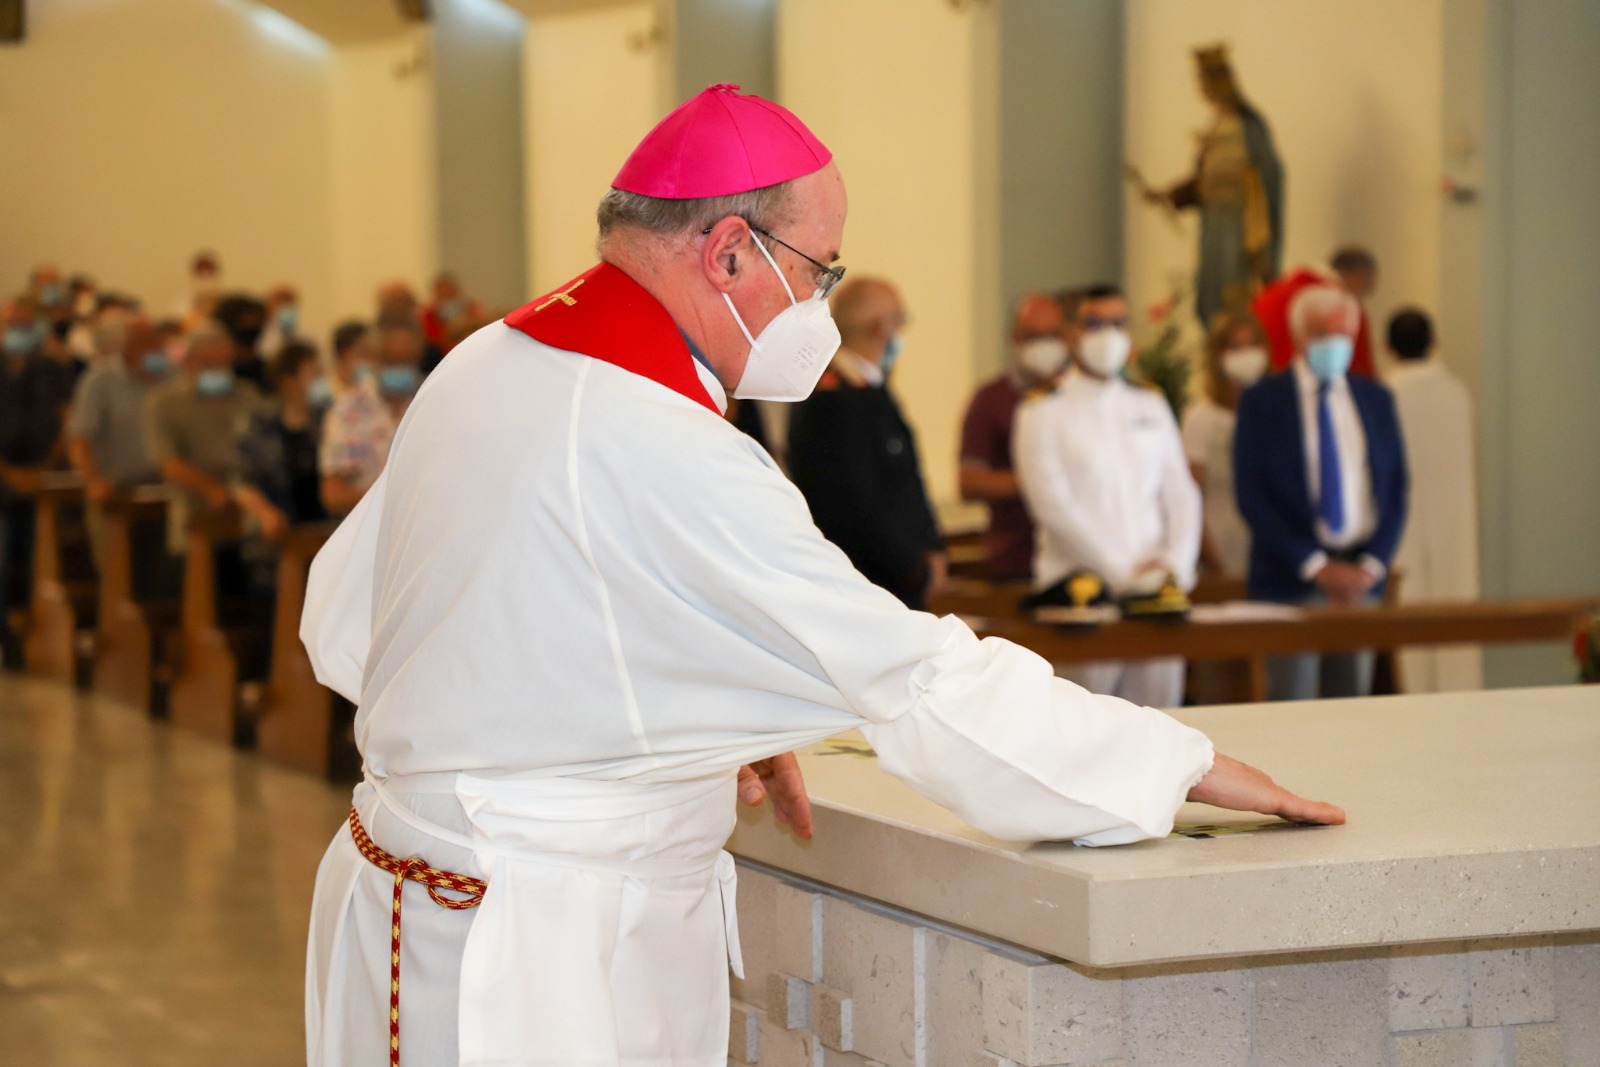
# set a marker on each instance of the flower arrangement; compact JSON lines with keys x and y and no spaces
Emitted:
{"x":1165,"y":361}
{"x":1586,"y":648}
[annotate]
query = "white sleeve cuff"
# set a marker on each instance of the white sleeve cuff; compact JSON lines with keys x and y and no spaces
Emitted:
{"x":1314,"y":563}
{"x":1374,"y":566}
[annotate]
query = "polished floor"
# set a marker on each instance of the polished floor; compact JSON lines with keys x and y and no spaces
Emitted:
{"x":155,"y":891}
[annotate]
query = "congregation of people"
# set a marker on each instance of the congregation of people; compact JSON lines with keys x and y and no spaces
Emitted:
{"x":1285,"y":470}
{"x":222,"y":400}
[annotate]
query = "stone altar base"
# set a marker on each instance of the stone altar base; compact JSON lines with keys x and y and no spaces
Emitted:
{"x":834,"y":980}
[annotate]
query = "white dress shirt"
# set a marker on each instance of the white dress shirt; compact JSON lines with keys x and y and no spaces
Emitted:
{"x":1350,"y":437}
{"x":1102,"y":470}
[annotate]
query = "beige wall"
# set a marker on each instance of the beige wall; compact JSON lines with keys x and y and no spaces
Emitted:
{"x":905,"y":99}
{"x":136,"y":132}
{"x":384,"y":182}
{"x":1352,"y":92}
{"x":577,"y":140}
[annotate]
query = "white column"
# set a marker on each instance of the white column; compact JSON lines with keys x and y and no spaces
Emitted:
{"x":904,"y":93}
{"x":591,"y":90}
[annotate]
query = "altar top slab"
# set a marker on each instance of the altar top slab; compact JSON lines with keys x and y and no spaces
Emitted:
{"x":1470,"y":816}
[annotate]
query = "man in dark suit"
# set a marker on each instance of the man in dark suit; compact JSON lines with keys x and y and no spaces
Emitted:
{"x":1320,"y":473}
{"x":855,"y":459}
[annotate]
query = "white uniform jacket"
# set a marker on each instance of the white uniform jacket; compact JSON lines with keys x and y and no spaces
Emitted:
{"x":1102,"y":470}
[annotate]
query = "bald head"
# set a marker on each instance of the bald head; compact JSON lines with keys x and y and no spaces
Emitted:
{"x":1038,"y":315}
{"x":868,"y":312}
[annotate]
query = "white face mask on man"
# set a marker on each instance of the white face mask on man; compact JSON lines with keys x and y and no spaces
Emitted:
{"x":1042,"y":357}
{"x":1104,"y":351}
{"x":791,"y":353}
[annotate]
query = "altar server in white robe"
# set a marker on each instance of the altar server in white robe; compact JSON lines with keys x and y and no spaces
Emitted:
{"x":1439,"y":550}
{"x":578,"y":600}
{"x":1102,"y":469}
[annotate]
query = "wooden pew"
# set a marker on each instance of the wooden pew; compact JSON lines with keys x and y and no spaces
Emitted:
{"x":62,"y":599}
{"x":137,"y":621}
{"x":1311,"y":630}
{"x":298,"y":714}
{"x":210,"y":647}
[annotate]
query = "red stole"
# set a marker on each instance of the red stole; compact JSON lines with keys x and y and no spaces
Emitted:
{"x":607,"y":315}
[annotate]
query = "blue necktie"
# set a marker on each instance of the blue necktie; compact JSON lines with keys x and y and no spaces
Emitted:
{"x":1330,"y":494}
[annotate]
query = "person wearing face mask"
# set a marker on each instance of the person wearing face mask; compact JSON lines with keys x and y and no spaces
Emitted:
{"x":377,"y":379}
{"x":1103,"y":473}
{"x":1040,"y":335}
{"x":1235,"y":359}
{"x":1320,"y":473}
{"x":854,"y":457}
{"x":192,"y":427}
{"x":577,"y":600}
{"x":105,"y":432}
{"x":282,"y":323}
{"x":34,"y":392}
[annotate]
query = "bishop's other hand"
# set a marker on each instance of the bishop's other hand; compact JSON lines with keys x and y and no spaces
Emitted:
{"x":778,"y":778}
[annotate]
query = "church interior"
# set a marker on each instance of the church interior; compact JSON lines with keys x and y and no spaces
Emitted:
{"x":1096,"y":253}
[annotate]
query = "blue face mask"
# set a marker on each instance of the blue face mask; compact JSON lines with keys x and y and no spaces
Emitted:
{"x":1329,"y":357}
{"x":288,"y":318}
{"x":21,"y":340}
{"x":155,"y":363}
{"x":214,"y":383}
{"x":398,"y":381}
{"x":891,"y":353}
{"x":51,"y":294}
{"x":320,"y":393}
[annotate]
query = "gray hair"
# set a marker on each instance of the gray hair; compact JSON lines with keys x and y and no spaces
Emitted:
{"x":763,"y":208}
{"x":1325,"y":300}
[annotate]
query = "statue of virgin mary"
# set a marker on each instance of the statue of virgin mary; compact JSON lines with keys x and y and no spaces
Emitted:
{"x":1237,"y":187}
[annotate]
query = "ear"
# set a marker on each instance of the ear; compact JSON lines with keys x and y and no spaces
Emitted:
{"x":719,"y":255}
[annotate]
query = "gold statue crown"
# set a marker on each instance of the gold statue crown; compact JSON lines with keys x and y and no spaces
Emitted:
{"x":1212,"y":57}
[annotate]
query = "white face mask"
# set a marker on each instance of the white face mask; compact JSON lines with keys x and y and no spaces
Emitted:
{"x":1244,"y":366}
{"x":1042,"y":357}
{"x":1105,"y":351}
{"x":792,"y":352}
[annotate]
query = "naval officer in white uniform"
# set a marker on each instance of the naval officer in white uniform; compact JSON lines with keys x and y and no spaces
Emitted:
{"x":1103,"y":472}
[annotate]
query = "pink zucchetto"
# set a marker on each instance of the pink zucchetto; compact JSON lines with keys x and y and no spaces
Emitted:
{"x":718,"y":143}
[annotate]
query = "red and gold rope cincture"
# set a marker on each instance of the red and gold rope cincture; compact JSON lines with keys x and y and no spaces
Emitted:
{"x":413,"y":870}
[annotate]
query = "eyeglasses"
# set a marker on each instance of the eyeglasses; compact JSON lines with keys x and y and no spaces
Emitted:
{"x":826,"y":277}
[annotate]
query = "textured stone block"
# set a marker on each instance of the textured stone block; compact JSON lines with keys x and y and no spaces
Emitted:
{"x":1578,"y":1000}
{"x":1039,"y":1012}
{"x":789,"y":1001}
{"x":1538,"y":1045}
{"x":1511,"y":986}
{"x":757,"y":893}
{"x":1331,"y":1013}
{"x":744,"y":1033}
{"x":1463,"y":1047}
{"x":877,"y":959}
{"x":797,"y":932}
{"x":955,"y":1001}
{"x":1428,"y":990}
{"x":831,"y":1017}
{"x":781,"y":1047}
{"x":1189,"y":1018}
